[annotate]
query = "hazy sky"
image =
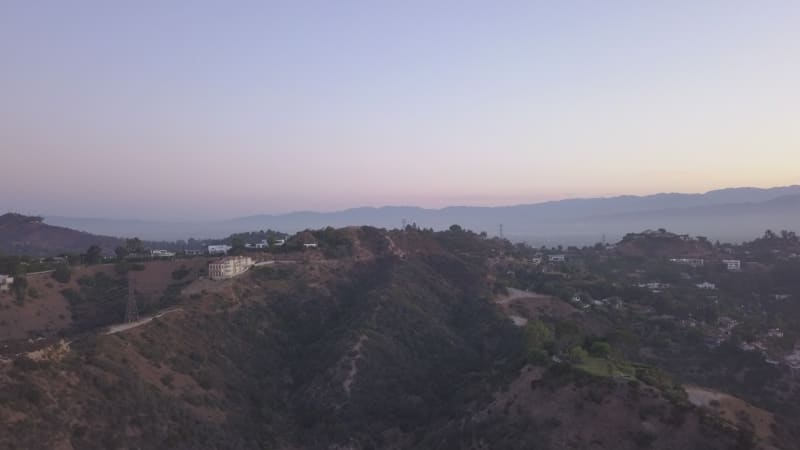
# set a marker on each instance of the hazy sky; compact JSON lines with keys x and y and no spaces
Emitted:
{"x":197,"y":110}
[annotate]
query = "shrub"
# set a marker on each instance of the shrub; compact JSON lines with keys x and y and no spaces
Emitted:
{"x":577,"y":354}
{"x":600,"y":349}
{"x":167,"y":380}
{"x":62,"y":274}
{"x":178,"y":274}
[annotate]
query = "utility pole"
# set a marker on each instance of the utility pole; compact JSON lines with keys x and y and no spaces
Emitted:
{"x":131,"y":310}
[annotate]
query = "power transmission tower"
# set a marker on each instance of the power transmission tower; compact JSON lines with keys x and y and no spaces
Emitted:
{"x":131,"y":310}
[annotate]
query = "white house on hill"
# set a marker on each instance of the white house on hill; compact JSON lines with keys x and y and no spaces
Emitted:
{"x":229,"y":267}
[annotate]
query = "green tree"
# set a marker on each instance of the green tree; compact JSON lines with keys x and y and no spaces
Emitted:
{"x":94,"y":255}
{"x":20,"y":287}
{"x":134,"y":245}
{"x":577,"y":354}
{"x":237,"y":243}
{"x":62,"y":273}
{"x":121,"y":252}
{"x":538,"y":338}
{"x":600,"y":349}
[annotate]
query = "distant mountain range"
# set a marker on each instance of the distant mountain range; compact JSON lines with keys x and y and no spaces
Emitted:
{"x":733,"y":214}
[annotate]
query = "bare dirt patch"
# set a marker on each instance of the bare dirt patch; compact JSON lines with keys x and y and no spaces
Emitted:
{"x":734,"y":410}
{"x":519,"y":304}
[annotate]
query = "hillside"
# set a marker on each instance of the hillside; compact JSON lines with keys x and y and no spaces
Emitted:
{"x":374,"y":340}
{"x":661,"y":243}
{"x":28,"y":235}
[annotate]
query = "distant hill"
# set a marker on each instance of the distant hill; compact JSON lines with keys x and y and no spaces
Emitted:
{"x":28,"y":235}
{"x":734,"y":214}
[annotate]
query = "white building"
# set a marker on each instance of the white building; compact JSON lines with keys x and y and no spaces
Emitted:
{"x":654,"y":286}
{"x":229,"y":267}
{"x":707,"y":285}
{"x":258,"y":245}
{"x":161,"y":254}
{"x":218,"y":249}
{"x":732,"y":264}
{"x":5,"y":282}
{"x":310,"y":245}
{"x":557,"y":258}
{"x":691,"y":262}
{"x":775,"y":333}
{"x":279,"y":242}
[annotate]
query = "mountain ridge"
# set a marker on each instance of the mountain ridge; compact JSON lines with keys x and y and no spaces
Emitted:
{"x":569,"y":221}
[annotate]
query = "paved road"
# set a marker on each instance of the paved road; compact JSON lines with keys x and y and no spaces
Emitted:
{"x":113,"y":329}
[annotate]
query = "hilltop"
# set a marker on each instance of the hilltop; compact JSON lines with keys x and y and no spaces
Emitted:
{"x":29,"y":235}
{"x":661,"y":243}
{"x":374,"y":339}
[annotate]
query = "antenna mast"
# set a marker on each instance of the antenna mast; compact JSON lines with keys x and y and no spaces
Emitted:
{"x":131,"y":310}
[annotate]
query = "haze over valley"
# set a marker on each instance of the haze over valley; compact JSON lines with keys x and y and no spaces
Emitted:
{"x":730,"y":215}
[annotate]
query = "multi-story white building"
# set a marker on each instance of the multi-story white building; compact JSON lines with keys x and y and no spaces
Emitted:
{"x":229,"y":267}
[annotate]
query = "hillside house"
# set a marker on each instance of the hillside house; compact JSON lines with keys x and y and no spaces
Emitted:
{"x":219,"y":249}
{"x":654,"y":286}
{"x":310,"y":245}
{"x":258,"y":245}
{"x":691,"y":262}
{"x":732,"y":264}
{"x":161,"y":254}
{"x":229,"y":267}
{"x":5,"y":282}
{"x":557,"y":258}
{"x":775,"y":333}
{"x":279,"y":242}
{"x":707,"y":285}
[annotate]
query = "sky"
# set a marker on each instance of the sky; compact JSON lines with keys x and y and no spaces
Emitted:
{"x":209,"y":110}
